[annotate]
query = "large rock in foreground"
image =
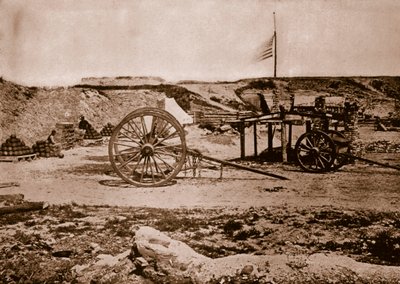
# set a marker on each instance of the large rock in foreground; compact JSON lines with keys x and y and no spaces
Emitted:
{"x":178,"y":259}
{"x":167,"y":260}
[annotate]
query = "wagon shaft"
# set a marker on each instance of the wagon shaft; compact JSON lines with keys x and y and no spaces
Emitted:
{"x":369,"y":161}
{"x":250,"y":169}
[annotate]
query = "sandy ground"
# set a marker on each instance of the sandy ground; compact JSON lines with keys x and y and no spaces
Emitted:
{"x":84,"y":176}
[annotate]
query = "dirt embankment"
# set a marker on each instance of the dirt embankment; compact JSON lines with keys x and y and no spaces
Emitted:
{"x":32,"y":112}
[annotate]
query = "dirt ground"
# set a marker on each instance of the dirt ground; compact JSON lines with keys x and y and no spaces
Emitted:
{"x":346,"y":212}
{"x":84,"y":176}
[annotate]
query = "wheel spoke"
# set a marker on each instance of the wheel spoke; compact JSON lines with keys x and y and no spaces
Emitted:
{"x":141,"y":175}
{"x":158,"y":169}
{"x":125,"y":145}
{"x":151,"y":170}
{"x":154,"y":123}
{"x":144,"y":128}
{"x":321,"y":162}
{"x":325,"y":158}
{"x":129,"y":151}
{"x":129,"y":137}
{"x":318,"y":140}
{"x":316,"y":161}
{"x":164,"y":162}
{"x":166,"y":138}
{"x":129,"y":160}
{"x":305,"y":146}
{"x":309,"y":142}
{"x":165,"y":129}
{"x":139,"y":135}
{"x":137,"y":165}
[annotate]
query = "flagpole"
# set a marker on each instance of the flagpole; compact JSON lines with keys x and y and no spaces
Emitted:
{"x":275,"y":47}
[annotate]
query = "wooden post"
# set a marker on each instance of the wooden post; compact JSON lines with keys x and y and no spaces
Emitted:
{"x":289,"y":146}
{"x":308,"y":125}
{"x":270,"y":138}
{"x":284,"y":142}
{"x":242,"y":140}
{"x":255,"y":138}
{"x":283,"y":133}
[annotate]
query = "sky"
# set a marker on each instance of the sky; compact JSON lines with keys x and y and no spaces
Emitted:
{"x":57,"y":42}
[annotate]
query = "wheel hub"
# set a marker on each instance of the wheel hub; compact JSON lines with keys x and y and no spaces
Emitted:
{"x":147,"y":150}
{"x":315,"y":151}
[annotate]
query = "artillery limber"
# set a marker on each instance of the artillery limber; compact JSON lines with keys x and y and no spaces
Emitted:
{"x":148,"y":148}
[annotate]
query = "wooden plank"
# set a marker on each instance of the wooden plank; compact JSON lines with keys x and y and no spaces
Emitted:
{"x":242,"y":141}
{"x":284,"y":143}
{"x":8,"y":184}
{"x":270,"y":138}
{"x":255,"y":138}
{"x":223,"y":162}
{"x":11,"y":197}
{"x":17,"y":158}
{"x":370,"y":161}
{"x":28,"y":206}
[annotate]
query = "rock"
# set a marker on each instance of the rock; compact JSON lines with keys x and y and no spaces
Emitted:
{"x":109,"y":260}
{"x":176,"y":259}
{"x":106,"y":260}
{"x":169,"y":254}
{"x":247,"y":270}
{"x":77,"y":269}
{"x":66,"y":225}
{"x":120,"y":218}
{"x":140,"y":262}
{"x":225,"y":128}
{"x":95,"y":247}
{"x":63,"y":253}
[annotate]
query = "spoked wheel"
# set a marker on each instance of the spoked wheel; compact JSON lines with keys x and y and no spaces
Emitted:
{"x":342,"y":146}
{"x":315,"y":151}
{"x":148,"y":147}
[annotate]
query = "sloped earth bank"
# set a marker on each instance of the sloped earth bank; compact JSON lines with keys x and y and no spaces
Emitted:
{"x":338,"y":227}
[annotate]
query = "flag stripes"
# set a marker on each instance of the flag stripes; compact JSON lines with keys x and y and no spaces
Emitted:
{"x":267,"y":51}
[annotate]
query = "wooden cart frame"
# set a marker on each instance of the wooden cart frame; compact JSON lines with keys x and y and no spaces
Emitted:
{"x":148,"y":148}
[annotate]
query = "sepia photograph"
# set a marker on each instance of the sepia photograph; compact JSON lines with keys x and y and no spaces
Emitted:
{"x":213,"y":141}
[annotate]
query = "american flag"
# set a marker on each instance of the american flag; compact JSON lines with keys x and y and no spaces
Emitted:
{"x":267,"y":50}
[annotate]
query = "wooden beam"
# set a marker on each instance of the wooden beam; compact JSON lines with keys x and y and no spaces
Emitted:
{"x":270,"y":138}
{"x":242,"y":140}
{"x":27,"y":206}
{"x":254,"y":170}
{"x":284,"y":142}
{"x":12,"y":197}
{"x":8,"y":184}
{"x":255,"y":138}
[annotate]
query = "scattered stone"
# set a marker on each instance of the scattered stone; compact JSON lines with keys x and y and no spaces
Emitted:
{"x":78,"y":269}
{"x":63,"y":253}
{"x":248,"y":269}
{"x":274,"y":189}
{"x":66,"y":225}
{"x":106,"y":260}
{"x":225,"y":128}
{"x":140,"y":262}
{"x":95,"y":247}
